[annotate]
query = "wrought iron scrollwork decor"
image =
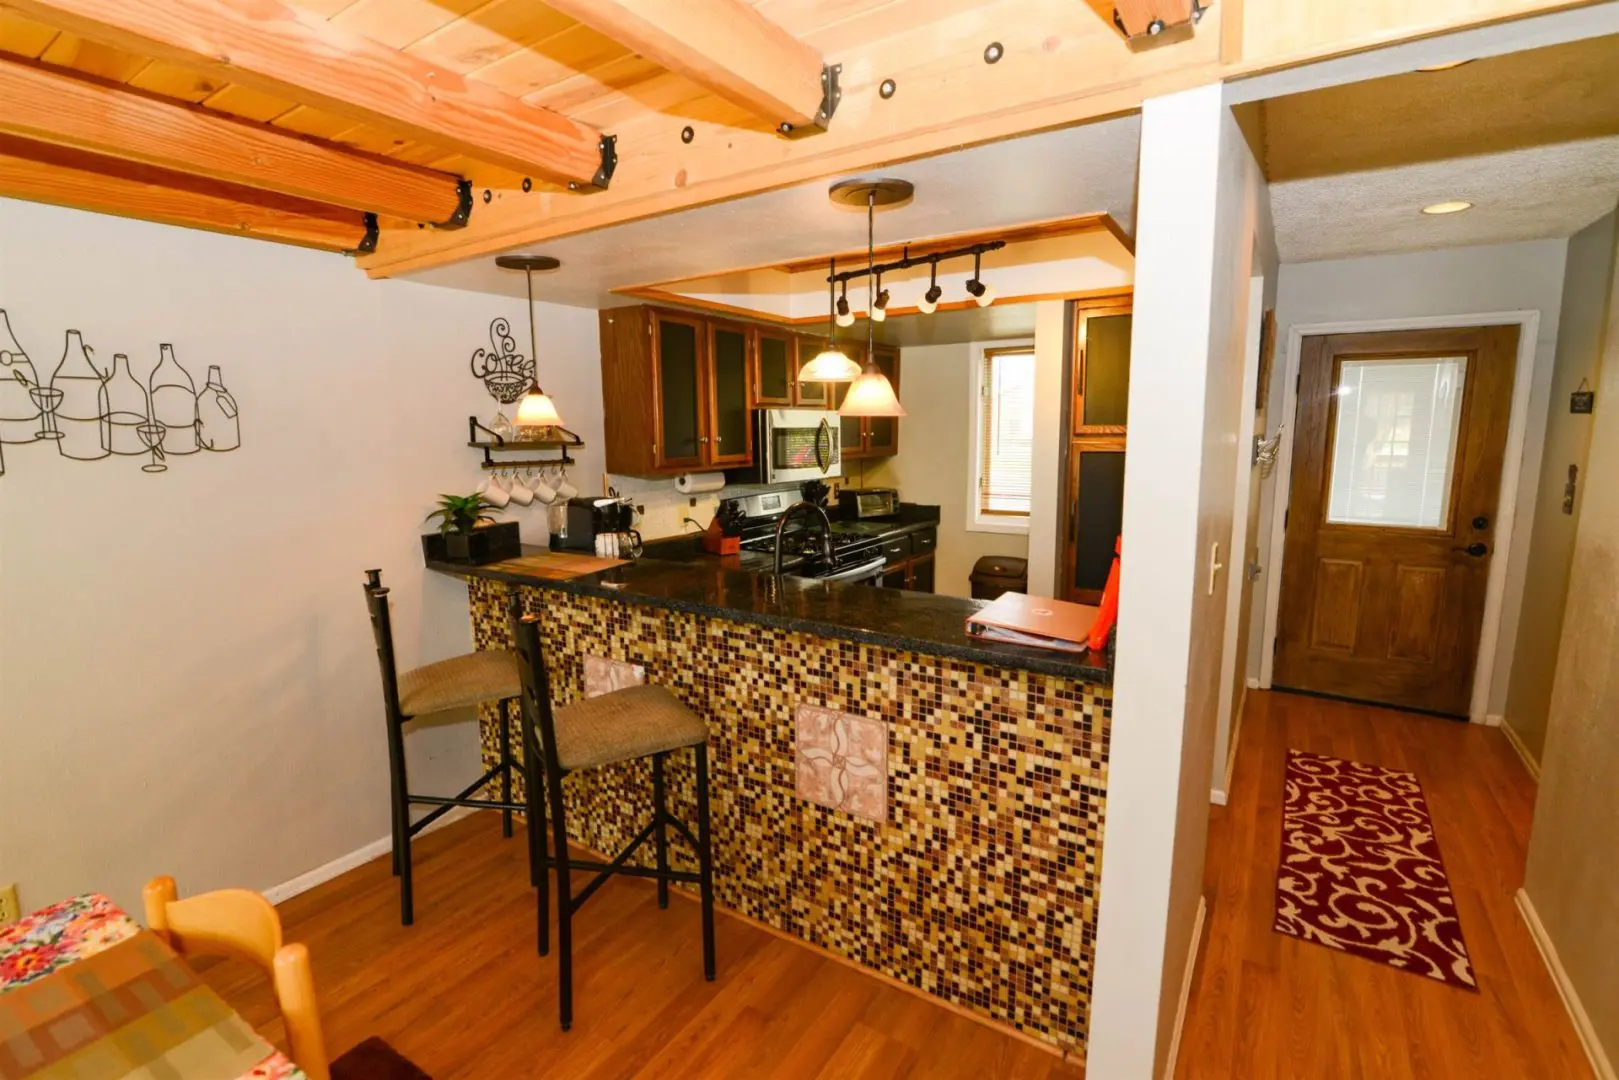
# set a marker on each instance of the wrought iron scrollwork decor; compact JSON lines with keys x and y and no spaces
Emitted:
{"x":91,"y":412}
{"x":506,"y":373}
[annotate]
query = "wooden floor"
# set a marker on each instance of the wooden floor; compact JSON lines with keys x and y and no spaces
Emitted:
{"x":463,"y":994}
{"x":1265,"y":1005}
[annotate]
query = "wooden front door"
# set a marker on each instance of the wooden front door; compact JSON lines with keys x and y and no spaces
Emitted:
{"x":1391,"y":519}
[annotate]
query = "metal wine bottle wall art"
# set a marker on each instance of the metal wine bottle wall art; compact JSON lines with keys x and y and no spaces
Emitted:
{"x":90,"y":412}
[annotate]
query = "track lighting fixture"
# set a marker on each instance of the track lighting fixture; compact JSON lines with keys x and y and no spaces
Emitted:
{"x":845,"y":316}
{"x":982,"y":294}
{"x":872,"y":394}
{"x":879,"y":306}
{"x":930,"y":299}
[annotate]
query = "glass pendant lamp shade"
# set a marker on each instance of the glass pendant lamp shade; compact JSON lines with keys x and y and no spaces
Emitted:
{"x":829,"y":365}
{"x":536,"y":410}
{"x":871,"y":395}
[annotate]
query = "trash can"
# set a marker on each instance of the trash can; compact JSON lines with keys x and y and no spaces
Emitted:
{"x":996,"y":574}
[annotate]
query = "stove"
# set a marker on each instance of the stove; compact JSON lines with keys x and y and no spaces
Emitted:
{"x":854,"y":543}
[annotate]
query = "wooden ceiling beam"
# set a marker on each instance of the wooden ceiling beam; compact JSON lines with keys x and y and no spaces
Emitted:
{"x":48,"y":105}
{"x":61,"y":176}
{"x":267,"y":46}
{"x":724,"y":46}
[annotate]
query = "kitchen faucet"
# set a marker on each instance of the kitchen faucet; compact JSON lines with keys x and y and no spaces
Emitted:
{"x":826,"y":530}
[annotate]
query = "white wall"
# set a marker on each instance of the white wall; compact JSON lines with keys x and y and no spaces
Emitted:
{"x":934,"y":464}
{"x":187,"y":678}
{"x":1201,"y":208}
{"x":1586,"y":318}
{"x":1459,"y":281}
{"x":1053,"y":327}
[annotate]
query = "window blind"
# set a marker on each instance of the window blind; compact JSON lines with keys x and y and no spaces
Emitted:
{"x":1006,"y":441}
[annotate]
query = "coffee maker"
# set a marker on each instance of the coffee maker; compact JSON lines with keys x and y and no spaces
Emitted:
{"x":590,"y":524}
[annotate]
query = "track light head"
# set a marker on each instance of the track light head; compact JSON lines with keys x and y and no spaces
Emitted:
{"x":982,"y":294}
{"x":845,"y":317}
{"x":930,"y":299}
{"x":879,"y":306}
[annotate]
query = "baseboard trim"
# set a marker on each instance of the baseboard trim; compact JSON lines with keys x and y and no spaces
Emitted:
{"x":1565,"y":989}
{"x":1524,"y":755}
{"x":1186,"y":989}
{"x":1252,"y":682}
{"x":1221,"y":795}
{"x":320,"y":875}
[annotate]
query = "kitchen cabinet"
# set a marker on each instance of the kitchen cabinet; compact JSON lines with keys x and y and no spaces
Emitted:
{"x":775,"y":370}
{"x":921,"y":574}
{"x":871,"y":436}
{"x":909,"y":561}
{"x":808,"y":395}
{"x":1093,"y":486}
{"x":679,"y":390}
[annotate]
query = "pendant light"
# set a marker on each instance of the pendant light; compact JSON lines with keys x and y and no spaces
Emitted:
{"x":830,"y":364}
{"x":535,"y":409}
{"x":871,"y":394}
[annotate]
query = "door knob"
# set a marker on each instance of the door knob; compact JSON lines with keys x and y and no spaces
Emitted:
{"x":1477,"y":551}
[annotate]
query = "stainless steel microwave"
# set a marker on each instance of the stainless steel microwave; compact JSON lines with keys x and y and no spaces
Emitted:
{"x":791,"y":446}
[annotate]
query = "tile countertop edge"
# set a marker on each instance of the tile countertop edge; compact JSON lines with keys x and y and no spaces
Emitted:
{"x":1090,"y":667}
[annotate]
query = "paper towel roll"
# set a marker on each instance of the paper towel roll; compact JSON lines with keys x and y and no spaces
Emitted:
{"x":698,"y":483}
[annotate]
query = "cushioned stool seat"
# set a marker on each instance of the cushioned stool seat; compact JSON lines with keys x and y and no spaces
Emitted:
{"x":459,"y":682}
{"x":635,"y":722}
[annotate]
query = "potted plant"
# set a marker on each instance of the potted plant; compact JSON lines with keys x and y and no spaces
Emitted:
{"x":468,"y":532}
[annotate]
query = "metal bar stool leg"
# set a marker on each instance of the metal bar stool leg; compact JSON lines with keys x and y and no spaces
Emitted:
{"x":559,"y":830}
{"x":660,"y":835}
{"x":401,"y":820}
{"x":539,"y":844}
{"x":505,"y":766}
{"x":705,"y":861}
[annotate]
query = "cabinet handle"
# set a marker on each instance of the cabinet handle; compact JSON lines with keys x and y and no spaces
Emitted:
{"x":704,"y":440}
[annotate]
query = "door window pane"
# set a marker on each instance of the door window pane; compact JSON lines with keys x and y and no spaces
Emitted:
{"x":1394,"y":443}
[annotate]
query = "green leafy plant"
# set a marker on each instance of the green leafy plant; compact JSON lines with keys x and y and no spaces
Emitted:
{"x":462,"y":513}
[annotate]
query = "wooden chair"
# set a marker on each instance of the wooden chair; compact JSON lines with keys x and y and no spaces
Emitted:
{"x":242,"y":924}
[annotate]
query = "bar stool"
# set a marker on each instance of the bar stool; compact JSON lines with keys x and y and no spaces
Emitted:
{"x":457,"y":683}
{"x":625,"y":725}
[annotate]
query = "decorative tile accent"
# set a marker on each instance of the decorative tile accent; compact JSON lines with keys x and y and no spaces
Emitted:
{"x":603,"y":676}
{"x":981,"y":886}
{"x":843,"y":762}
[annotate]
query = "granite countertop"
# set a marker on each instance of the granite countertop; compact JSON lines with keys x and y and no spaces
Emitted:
{"x":741,"y":587}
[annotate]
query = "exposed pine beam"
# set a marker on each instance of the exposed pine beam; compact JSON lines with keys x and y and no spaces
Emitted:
{"x":41,"y":172}
{"x":722,"y":45}
{"x":48,"y":105}
{"x":268,"y":46}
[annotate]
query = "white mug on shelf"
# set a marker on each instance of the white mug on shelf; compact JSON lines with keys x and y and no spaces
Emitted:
{"x":543,"y":491}
{"x":565,"y":490}
{"x":497,"y":495}
{"x":520,"y":492}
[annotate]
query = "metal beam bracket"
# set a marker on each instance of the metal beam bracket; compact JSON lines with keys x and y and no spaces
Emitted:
{"x":463,"y":207}
{"x":604,"y":175}
{"x":368,"y":242}
{"x":831,"y":94}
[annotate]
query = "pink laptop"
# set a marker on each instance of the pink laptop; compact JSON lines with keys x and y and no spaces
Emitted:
{"x":1034,"y":620}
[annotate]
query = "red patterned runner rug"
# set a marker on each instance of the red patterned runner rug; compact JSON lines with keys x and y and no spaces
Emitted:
{"x":1361,"y":872}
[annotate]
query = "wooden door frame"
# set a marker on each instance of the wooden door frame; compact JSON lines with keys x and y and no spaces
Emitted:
{"x":1523,"y":381}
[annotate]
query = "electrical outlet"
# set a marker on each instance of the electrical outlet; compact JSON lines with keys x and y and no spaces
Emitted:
{"x":10,"y":912}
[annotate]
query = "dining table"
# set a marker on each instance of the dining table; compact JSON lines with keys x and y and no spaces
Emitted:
{"x":87,"y":993}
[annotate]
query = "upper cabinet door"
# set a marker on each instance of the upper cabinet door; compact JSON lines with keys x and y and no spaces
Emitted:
{"x":882,"y":432}
{"x":677,"y":370}
{"x":731,"y":432}
{"x":774,"y":369}
{"x":809,"y":395}
{"x":1102,"y":369}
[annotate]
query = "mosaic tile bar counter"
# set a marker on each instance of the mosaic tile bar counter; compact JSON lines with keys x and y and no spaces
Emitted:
{"x":980,"y":887}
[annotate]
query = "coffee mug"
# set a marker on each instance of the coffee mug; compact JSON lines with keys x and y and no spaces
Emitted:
{"x":497,"y":495}
{"x":565,"y":490}
{"x":520,"y":492}
{"x":543,"y":491}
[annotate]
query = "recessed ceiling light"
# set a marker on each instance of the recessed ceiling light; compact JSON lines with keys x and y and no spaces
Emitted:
{"x":1445,"y":67}
{"x":1455,"y":206}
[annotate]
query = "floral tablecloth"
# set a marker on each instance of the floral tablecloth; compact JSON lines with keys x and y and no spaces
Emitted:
{"x":86,"y":993}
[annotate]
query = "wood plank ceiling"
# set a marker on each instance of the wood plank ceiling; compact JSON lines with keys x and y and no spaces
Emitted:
{"x":522,"y":49}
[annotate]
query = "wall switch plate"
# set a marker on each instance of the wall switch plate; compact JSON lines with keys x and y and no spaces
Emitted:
{"x":10,"y":911}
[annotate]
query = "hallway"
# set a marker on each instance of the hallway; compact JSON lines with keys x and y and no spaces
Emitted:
{"x":1265,"y":1005}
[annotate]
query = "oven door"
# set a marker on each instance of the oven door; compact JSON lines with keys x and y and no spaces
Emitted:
{"x":801,"y":444}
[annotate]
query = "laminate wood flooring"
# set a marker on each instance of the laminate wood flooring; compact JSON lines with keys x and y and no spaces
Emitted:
{"x":464,"y":995}
{"x":1265,"y":1005}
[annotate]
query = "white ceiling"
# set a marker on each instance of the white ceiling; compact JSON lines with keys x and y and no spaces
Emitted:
{"x":1064,"y":173}
{"x":1529,"y":194}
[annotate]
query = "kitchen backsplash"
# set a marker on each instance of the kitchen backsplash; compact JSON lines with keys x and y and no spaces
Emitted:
{"x":666,"y":508}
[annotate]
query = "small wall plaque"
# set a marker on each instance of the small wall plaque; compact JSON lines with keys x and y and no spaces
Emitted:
{"x":1582,"y":400}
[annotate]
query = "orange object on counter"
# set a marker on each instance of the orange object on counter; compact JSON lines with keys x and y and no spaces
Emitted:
{"x":715,"y":542}
{"x":1107,"y":613}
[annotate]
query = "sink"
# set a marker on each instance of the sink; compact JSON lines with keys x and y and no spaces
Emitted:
{"x":815,"y":570}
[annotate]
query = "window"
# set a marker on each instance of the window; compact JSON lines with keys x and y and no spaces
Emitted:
{"x":1005,"y":444}
{"x":1394,"y":443}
